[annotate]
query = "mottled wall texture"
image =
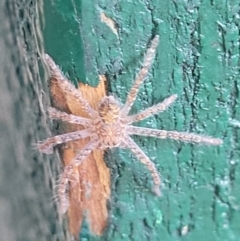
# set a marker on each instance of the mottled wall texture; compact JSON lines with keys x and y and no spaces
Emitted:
{"x":198,"y":59}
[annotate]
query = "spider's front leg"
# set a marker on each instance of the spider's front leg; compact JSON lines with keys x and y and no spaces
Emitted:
{"x":175,"y":135}
{"x":67,"y":174}
{"x":129,"y":143}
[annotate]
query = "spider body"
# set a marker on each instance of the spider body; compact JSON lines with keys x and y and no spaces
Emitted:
{"x":110,"y":125}
{"x":110,"y":129}
{"x":110,"y":135}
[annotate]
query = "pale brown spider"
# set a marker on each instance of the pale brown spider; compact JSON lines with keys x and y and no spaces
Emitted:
{"x":110,"y":125}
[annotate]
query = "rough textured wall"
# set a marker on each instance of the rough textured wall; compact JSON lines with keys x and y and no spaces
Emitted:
{"x":198,"y":59}
{"x":26,"y":177}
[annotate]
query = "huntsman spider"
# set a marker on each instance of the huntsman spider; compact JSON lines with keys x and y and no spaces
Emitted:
{"x":111,"y":125}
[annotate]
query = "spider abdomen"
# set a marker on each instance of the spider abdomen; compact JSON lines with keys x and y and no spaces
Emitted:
{"x":109,"y":109}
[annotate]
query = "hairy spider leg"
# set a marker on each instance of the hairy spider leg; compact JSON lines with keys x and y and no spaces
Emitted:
{"x":63,"y":200}
{"x":128,"y":141}
{"x":175,"y":135}
{"x":148,"y":59}
{"x":68,"y":173}
{"x":82,"y":154}
{"x":67,"y":87}
{"x":56,"y":114}
{"x":153,"y":110}
{"x":47,"y":145}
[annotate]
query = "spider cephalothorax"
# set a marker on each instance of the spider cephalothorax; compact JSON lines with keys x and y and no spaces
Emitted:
{"x":109,"y":128}
{"x":110,"y":125}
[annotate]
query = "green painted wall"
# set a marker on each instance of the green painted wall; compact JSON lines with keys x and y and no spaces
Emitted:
{"x":197,"y":58}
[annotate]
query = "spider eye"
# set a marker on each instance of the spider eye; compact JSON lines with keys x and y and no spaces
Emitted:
{"x":109,"y":109}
